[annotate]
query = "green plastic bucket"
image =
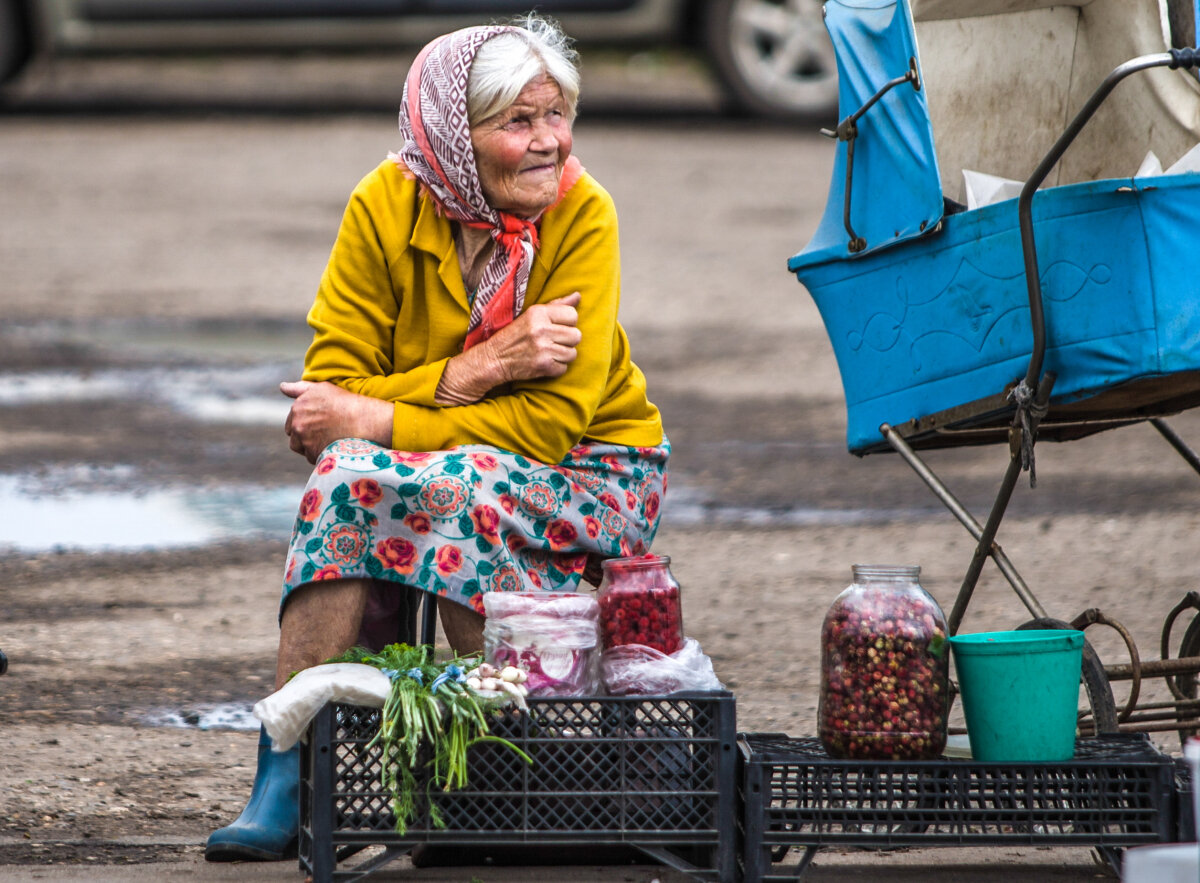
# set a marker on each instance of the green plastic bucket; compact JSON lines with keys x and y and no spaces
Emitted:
{"x":1020,"y":692}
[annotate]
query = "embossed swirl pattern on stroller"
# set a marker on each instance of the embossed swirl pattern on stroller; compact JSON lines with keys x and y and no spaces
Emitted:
{"x":926,"y":304}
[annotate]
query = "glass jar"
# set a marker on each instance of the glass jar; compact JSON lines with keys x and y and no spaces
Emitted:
{"x":885,"y":669}
{"x":639,"y":604}
{"x":552,"y":636}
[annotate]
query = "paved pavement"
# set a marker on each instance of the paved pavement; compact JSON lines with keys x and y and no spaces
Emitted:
{"x":950,"y":865}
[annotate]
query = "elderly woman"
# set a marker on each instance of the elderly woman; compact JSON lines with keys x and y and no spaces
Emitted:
{"x":468,"y":399}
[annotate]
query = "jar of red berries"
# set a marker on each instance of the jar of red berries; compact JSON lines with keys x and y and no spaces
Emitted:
{"x":639,"y":604}
{"x":885,"y":673}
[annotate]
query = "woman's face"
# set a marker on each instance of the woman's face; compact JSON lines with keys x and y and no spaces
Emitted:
{"x":521,"y":150}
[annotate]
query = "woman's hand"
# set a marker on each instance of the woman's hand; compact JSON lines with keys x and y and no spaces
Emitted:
{"x":323,"y":413}
{"x":539,"y":343}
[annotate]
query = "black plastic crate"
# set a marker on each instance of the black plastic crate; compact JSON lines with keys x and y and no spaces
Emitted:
{"x":1118,"y":791}
{"x":658,"y":774}
{"x":1185,"y":812}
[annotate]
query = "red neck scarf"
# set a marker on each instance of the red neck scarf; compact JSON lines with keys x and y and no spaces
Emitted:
{"x":437,"y":151}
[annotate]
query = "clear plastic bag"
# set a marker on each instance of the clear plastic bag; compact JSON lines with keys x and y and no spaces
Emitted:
{"x":638,"y":670}
{"x":553,"y":636}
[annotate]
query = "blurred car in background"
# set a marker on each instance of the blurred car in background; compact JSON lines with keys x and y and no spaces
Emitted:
{"x":772,"y":57}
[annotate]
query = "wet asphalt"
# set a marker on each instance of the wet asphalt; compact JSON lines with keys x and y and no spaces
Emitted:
{"x":148,"y":320}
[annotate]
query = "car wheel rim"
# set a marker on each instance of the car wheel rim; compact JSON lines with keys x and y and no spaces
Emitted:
{"x":783,"y":53}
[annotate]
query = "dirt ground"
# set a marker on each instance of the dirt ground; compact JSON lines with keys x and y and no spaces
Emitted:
{"x":203,"y":226}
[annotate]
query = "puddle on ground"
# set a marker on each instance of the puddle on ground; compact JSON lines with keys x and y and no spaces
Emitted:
{"x":687,"y":509}
{"x":228,"y":716}
{"x":81,"y":518}
{"x":128,"y":521}
{"x":205,"y":394}
{"x":167,"y":341}
{"x":225,"y":373}
{"x":214,"y":372}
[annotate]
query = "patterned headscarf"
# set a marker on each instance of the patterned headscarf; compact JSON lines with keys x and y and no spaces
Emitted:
{"x":437,"y":151}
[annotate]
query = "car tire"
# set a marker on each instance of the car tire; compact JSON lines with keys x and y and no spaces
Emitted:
{"x":14,"y":40}
{"x":773,"y":57}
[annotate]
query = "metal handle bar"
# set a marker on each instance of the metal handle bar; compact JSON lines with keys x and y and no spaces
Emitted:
{"x":847,"y":130}
{"x":1032,"y":394}
{"x":1174,"y":59}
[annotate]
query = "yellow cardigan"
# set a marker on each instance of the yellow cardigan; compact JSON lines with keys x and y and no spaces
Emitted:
{"x":391,"y":310}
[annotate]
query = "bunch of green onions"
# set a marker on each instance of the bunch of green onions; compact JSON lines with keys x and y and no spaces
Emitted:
{"x":429,"y":704}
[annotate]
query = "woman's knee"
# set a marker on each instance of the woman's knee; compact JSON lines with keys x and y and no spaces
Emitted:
{"x":330,"y":601}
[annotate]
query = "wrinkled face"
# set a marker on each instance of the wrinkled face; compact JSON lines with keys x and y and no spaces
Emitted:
{"x":521,"y":150}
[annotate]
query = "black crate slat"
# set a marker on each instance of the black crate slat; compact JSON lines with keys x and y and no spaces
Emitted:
{"x":659,"y":772}
{"x":1117,"y":791}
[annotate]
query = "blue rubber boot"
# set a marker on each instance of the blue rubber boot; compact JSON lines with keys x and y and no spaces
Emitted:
{"x":268,"y":828}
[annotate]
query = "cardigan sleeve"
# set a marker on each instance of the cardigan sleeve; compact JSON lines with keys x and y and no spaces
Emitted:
{"x":544,"y":418}
{"x":355,"y":312}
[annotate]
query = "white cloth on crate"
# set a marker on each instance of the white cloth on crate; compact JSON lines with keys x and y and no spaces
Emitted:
{"x":287,"y":712}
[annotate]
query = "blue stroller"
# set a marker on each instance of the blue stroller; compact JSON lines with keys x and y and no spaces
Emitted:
{"x":1060,"y":313}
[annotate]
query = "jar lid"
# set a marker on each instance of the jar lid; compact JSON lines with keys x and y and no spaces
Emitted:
{"x":886,"y":571}
{"x":639,"y":562}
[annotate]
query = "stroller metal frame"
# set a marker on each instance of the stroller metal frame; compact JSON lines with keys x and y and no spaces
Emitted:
{"x":1020,"y":412}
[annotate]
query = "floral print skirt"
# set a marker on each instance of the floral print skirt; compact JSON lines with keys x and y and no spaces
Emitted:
{"x":473,"y":519}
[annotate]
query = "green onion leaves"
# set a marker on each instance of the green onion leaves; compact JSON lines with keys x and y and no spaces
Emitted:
{"x":431,"y":706}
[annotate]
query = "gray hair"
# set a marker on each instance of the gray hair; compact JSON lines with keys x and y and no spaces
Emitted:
{"x":506,"y":63}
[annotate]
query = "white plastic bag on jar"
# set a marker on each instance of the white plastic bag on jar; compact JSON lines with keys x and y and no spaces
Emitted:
{"x":553,"y":636}
{"x":638,"y":670}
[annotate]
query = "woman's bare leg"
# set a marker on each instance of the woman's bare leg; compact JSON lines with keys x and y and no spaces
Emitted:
{"x":462,"y":625}
{"x":320,"y":620}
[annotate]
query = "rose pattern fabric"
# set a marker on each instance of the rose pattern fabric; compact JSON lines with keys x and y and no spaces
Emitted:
{"x":473,"y":519}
